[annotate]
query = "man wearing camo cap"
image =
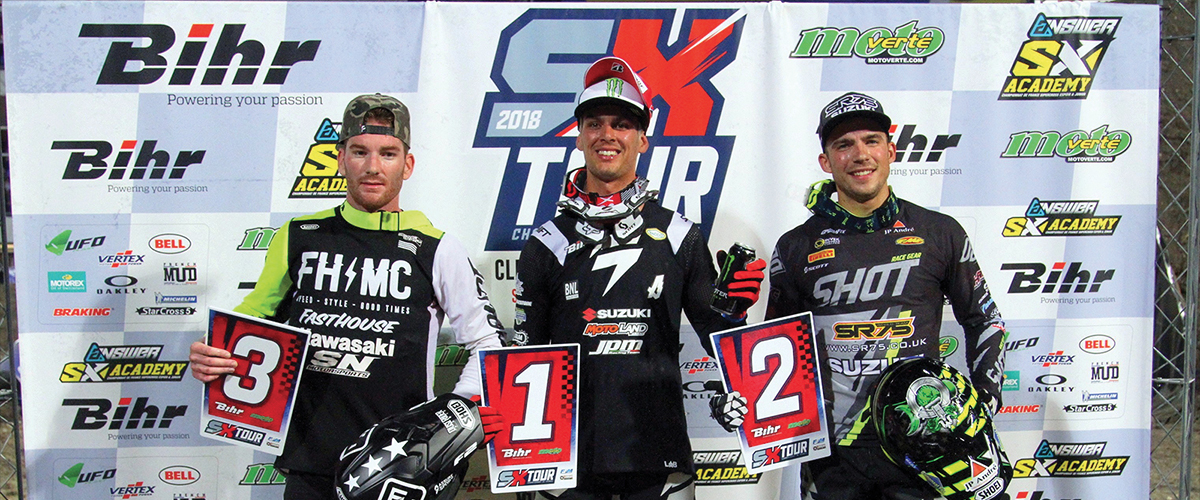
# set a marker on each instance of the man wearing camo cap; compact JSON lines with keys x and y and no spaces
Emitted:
{"x":362,"y":273}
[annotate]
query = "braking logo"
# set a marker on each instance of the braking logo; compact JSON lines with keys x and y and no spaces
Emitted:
{"x":906,"y":44}
{"x":1060,"y":58}
{"x":319,"y":171}
{"x":127,"y":64}
{"x":532,"y":113}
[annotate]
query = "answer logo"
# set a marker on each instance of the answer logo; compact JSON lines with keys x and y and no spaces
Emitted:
{"x":1060,"y":58}
{"x":319,"y":171}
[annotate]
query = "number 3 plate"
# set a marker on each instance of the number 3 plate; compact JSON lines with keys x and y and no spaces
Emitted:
{"x":775,"y":366}
{"x":535,"y":388}
{"x":253,"y":405}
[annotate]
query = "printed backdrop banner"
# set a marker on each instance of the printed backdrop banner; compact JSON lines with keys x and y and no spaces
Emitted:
{"x":157,"y":146}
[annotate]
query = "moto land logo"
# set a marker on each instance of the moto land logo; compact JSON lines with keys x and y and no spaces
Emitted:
{"x":907,"y":44}
{"x":1061,"y":57}
{"x":319,"y":171}
{"x":532,"y":114}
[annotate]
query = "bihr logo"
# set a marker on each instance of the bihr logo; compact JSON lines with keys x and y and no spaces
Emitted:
{"x":1061,"y":218}
{"x":94,"y":414}
{"x":141,"y":61}
{"x":921,"y":148}
{"x":87,"y":161}
{"x":532,"y":114}
{"x":64,"y":243}
{"x":1077,"y":146}
{"x":1060,"y":58}
{"x":1032,"y":277}
{"x":319,"y":171}
{"x":906,"y":44}
{"x":526,"y":477}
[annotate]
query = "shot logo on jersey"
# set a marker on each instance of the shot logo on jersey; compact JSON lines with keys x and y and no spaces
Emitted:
{"x":1070,"y":460}
{"x":532,"y":113}
{"x":1061,"y":58}
{"x":906,"y":44}
{"x":318,"y":176}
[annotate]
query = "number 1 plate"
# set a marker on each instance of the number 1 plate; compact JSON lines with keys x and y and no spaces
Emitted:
{"x":535,"y":388}
{"x":252,"y":406}
{"x":775,"y":365}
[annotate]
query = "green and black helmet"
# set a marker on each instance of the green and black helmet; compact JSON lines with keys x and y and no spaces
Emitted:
{"x":930,"y":421}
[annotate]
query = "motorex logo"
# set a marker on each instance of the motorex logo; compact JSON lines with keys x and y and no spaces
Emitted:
{"x":538,"y":70}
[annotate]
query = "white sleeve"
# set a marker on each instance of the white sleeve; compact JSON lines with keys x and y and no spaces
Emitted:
{"x":459,"y":291}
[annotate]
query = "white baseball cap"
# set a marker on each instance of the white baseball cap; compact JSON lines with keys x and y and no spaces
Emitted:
{"x":610,"y":80}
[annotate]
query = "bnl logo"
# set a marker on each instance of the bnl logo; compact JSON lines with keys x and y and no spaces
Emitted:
{"x":539,"y":67}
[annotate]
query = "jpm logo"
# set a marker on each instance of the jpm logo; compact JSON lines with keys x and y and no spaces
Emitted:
{"x":1061,"y":57}
{"x":538,"y":69}
{"x":139,"y":55}
{"x":906,"y":44}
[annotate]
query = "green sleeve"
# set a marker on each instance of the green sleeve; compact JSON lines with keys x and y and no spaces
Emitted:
{"x":274,"y":282}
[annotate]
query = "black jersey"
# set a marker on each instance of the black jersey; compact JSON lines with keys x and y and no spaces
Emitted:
{"x":622,"y":304}
{"x":373,"y":289}
{"x":878,"y":296}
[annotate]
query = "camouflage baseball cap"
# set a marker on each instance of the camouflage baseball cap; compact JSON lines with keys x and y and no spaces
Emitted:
{"x":354,"y":120}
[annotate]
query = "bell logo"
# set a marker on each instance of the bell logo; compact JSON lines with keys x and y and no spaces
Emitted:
{"x":150,"y":65}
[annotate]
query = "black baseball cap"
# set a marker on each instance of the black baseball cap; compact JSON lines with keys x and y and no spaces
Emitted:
{"x":851,"y":105}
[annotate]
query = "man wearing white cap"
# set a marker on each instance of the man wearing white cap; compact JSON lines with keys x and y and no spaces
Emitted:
{"x":612,"y":272}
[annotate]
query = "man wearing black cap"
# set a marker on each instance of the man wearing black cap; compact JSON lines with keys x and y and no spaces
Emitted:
{"x":613,"y":272}
{"x":373,"y":283}
{"x":873,"y":269}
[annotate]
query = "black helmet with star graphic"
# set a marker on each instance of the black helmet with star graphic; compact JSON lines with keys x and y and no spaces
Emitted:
{"x":419,"y":454}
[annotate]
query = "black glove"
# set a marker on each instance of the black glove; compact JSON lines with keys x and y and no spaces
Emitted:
{"x":728,"y":410}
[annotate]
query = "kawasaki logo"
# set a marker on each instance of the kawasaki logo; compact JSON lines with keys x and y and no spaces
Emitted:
{"x":907,"y":44}
{"x":1098,"y":145}
{"x":153,"y":40}
{"x":531,"y":115}
{"x":1060,"y":58}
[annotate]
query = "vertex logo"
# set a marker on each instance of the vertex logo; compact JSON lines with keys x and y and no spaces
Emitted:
{"x":126,"y":258}
{"x":1061,"y":218}
{"x":906,"y":44}
{"x":699,"y":365}
{"x":141,"y":47}
{"x":319,"y":171}
{"x":1095,"y":146}
{"x":88,"y":160}
{"x":1060,"y":58}
{"x":676,"y":51}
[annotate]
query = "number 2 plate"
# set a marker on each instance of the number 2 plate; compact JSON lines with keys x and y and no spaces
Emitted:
{"x":252,"y":406}
{"x":775,"y":366}
{"x":535,"y":388}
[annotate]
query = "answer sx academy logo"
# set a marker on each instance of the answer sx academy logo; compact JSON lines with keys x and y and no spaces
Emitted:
{"x":533,"y":111}
{"x":1060,"y":58}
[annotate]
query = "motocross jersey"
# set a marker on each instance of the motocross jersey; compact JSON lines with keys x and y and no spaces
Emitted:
{"x":877,"y":296}
{"x":621,"y":303}
{"x":373,"y":289}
